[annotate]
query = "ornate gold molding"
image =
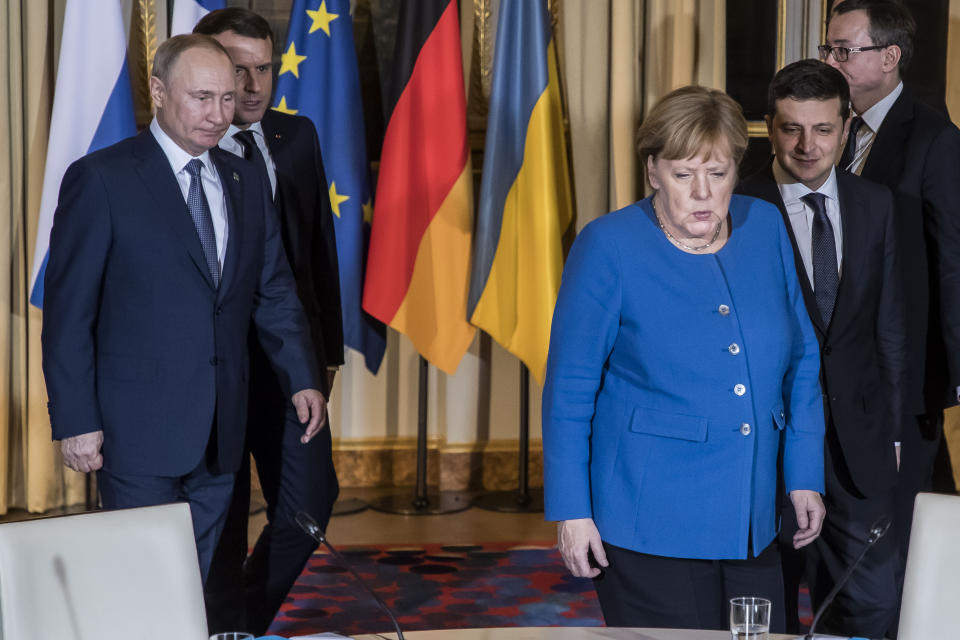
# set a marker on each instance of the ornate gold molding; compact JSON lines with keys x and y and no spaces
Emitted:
{"x":758,"y":128}
{"x":483,"y":49}
{"x":781,"y":34}
{"x":143,"y":47}
{"x":376,"y":443}
{"x":824,"y":8}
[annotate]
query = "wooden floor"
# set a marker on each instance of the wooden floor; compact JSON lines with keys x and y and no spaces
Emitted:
{"x":473,"y":525}
{"x":375,"y":527}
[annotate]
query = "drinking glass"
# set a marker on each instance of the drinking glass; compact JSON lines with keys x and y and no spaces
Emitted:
{"x":232,"y":635}
{"x":749,"y":618}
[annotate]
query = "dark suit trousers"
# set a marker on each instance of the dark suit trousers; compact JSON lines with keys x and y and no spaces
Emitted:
{"x":867,"y":605}
{"x":246,"y":595}
{"x":207,"y":492}
{"x":641,"y":590}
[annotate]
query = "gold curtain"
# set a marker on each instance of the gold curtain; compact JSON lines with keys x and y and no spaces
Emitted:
{"x":620,"y":57}
{"x":31,"y":475}
{"x":951,"y":417}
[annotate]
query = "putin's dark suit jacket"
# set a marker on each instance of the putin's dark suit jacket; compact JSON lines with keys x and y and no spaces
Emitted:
{"x":307,"y":228}
{"x":137,"y":340}
{"x":863,"y":350}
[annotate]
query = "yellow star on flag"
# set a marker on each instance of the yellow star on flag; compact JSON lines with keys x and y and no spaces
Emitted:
{"x":368,"y":211}
{"x":336,"y":199}
{"x":283,"y":108}
{"x":321,"y":18}
{"x":290,"y":61}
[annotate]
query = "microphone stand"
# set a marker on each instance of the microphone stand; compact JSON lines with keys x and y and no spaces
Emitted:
{"x":312,"y":529}
{"x":879,"y":528}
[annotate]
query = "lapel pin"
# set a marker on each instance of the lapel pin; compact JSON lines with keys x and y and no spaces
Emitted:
{"x":236,"y":177}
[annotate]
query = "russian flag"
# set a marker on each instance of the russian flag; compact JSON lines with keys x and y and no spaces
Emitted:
{"x":186,"y":14}
{"x":92,"y":106}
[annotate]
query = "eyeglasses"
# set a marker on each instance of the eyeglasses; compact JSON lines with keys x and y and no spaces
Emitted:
{"x":842,"y":54}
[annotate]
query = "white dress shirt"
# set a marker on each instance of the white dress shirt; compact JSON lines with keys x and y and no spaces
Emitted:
{"x":801,"y":215}
{"x":872,"y":119}
{"x":209,"y":178}
{"x":231,"y":144}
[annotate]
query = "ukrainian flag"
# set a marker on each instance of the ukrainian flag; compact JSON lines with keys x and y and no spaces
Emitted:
{"x":319,"y":79}
{"x":525,"y":205}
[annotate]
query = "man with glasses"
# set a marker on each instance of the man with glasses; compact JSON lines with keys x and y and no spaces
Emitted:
{"x":897,"y":141}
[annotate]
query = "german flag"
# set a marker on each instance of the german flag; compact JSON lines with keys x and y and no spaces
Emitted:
{"x":418,"y":265}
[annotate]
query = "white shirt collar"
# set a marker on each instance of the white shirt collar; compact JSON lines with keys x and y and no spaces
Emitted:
{"x":177,"y":156}
{"x":791,"y":191}
{"x":873,"y":117}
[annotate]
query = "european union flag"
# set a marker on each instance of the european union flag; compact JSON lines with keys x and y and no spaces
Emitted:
{"x":319,"y":79}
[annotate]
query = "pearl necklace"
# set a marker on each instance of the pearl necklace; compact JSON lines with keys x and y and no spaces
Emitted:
{"x":677,"y":241}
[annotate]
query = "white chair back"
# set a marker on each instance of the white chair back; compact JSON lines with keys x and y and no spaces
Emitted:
{"x":931,"y":590}
{"x":105,"y":575}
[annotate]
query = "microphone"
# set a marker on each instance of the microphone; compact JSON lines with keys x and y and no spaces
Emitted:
{"x":312,"y":529}
{"x":877,"y":531}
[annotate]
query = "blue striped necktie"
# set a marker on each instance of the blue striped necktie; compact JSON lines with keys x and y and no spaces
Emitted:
{"x":202,"y":220}
{"x":850,"y":150}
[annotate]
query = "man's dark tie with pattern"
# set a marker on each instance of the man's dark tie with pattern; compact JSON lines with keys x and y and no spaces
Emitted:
{"x":202,"y":220}
{"x":825,"y":273}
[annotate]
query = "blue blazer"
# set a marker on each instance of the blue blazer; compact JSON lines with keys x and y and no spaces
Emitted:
{"x":671,"y":379}
{"x":136,"y":339}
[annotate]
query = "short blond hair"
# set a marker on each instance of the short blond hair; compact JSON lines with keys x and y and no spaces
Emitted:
{"x":692,"y":120}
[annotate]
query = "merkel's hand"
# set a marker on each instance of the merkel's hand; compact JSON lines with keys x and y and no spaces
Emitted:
{"x":575,"y":538}
{"x":82,"y":453}
{"x":810,"y":513}
{"x":311,"y":408}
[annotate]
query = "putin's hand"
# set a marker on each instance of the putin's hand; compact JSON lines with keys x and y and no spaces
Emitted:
{"x":82,"y":452}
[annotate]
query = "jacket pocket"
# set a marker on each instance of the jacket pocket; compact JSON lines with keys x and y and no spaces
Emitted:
{"x":779,"y":417}
{"x":668,"y":425}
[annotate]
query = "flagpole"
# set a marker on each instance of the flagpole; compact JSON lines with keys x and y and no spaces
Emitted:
{"x":522,"y":500}
{"x":425,"y":502}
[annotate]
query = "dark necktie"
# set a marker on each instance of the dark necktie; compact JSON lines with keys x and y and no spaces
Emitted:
{"x":850,"y":151}
{"x":252,"y":152}
{"x":202,"y":220}
{"x":825,"y":276}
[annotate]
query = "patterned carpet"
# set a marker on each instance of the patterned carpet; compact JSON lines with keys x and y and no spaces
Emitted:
{"x":437,"y":587}
{"x":442,"y":587}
